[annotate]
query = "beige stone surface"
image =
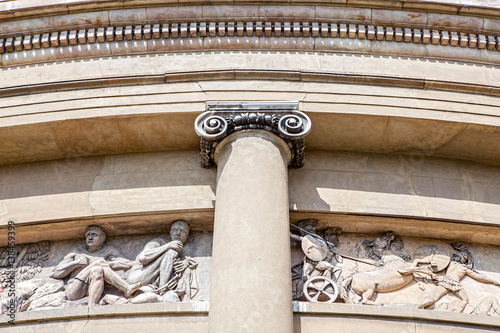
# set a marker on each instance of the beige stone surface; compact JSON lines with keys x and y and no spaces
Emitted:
{"x":379,"y":319}
{"x":380,"y":16}
{"x":73,"y":138}
{"x":251,"y":225}
{"x":133,"y":186}
{"x":36,"y":8}
{"x":345,"y":102}
{"x":285,"y":11}
{"x":127,"y":15}
{"x":82,"y":19}
{"x":129,"y":12}
{"x":344,"y":13}
{"x":102,"y":133}
{"x":155,"y":14}
{"x":307,"y":318}
{"x":88,"y":187}
{"x":27,"y":25}
{"x":211,"y":12}
{"x":221,"y":43}
{"x":311,"y":317}
{"x":185,"y":317}
{"x":310,"y":59}
{"x":390,"y":66}
{"x":66,"y":124}
{"x":404,"y":185}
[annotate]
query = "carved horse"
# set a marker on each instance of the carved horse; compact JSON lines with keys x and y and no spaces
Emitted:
{"x":392,"y":276}
{"x":378,"y":248}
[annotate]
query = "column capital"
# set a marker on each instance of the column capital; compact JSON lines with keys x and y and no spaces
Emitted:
{"x":280,"y":118}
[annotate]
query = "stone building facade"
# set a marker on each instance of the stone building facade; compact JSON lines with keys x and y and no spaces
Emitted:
{"x":248,"y":166}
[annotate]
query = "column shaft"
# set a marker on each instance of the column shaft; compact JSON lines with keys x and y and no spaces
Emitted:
{"x":251,"y":277}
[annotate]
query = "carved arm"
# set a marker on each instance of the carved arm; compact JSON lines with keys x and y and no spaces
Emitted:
{"x":482,"y":278}
{"x":151,"y":253}
{"x":119,"y":263}
{"x":68,"y":265}
{"x":296,"y":238}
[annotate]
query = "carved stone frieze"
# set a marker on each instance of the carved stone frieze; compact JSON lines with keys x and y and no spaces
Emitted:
{"x":317,"y":275}
{"x":378,"y":248}
{"x":20,"y":264}
{"x":164,"y":274}
{"x":279,"y":118}
{"x":100,"y":273}
{"x":29,"y":260}
{"x":90,"y":268}
{"x":379,"y":272}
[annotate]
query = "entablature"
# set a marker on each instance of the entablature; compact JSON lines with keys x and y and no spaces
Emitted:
{"x":241,"y":27}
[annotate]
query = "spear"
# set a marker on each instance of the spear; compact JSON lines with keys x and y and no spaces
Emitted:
{"x":333,"y":245}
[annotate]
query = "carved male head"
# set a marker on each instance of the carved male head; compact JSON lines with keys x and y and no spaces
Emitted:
{"x":308,"y":225}
{"x":179,"y":230}
{"x":95,"y":238}
{"x":463,"y":256}
{"x":332,"y":235}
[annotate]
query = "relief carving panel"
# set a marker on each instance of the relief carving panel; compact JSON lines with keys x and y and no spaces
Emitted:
{"x":387,"y":270}
{"x":327,"y":266}
{"x":132,"y":269}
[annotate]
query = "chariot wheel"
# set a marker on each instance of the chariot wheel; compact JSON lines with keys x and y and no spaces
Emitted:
{"x":321,"y":289}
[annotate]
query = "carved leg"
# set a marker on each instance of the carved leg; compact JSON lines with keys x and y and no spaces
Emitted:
{"x":436,"y":295}
{"x":76,"y":290}
{"x":464,"y":300}
{"x":167,"y":267}
{"x":112,"y":299}
{"x":488,"y":306}
{"x":115,"y":280}
{"x":494,"y":306}
{"x":367,"y":297}
{"x":184,"y":285}
{"x":96,"y":286}
{"x":307,"y":269}
{"x":299,"y":287}
{"x":146,"y":298}
{"x":428,"y":301}
{"x":107,"y":274}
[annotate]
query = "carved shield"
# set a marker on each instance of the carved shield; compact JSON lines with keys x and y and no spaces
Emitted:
{"x":315,"y":249}
{"x":439,"y":258}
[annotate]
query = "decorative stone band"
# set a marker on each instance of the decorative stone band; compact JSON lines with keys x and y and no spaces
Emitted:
{"x":422,"y":36}
{"x":280,"y":118}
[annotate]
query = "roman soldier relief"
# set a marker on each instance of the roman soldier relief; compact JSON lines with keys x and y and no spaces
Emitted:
{"x":386,"y":270}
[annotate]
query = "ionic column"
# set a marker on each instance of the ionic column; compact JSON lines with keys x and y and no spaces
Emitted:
{"x":252,"y":145}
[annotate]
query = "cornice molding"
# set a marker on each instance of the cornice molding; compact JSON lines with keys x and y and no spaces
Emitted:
{"x":116,"y":40}
{"x":13,"y":10}
{"x":251,"y":74}
{"x":58,"y":39}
